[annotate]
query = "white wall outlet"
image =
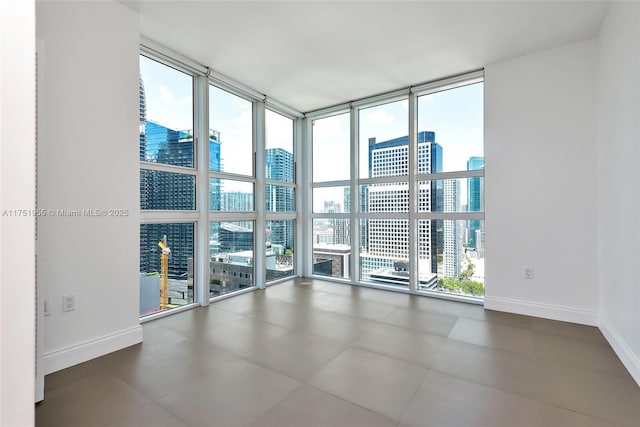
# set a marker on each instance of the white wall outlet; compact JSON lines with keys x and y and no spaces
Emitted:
{"x":68,"y":302}
{"x":528,"y":273}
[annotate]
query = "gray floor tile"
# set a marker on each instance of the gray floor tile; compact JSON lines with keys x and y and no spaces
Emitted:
{"x":432,"y":323}
{"x":438,"y":306}
{"x":411,"y":346}
{"x":337,"y":288}
{"x":291,"y":293}
{"x":194,"y":323}
{"x":243,"y":336}
{"x":570,"y":330}
{"x":553,"y":416}
{"x":392,"y":298}
{"x":236,"y":394}
{"x":493,"y":335}
{"x":245,"y":304}
{"x":158,"y":376}
{"x":381,"y":384}
{"x":511,"y":372}
{"x":150,"y":415}
{"x":95,"y":400}
{"x":478,"y":312}
{"x":355,"y":307}
{"x":591,"y":393}
{"x":286,"y":314}
{"x":336,"y":326}
{"x":310,"y":407}
{"x":296,"y":355}
{"x":446,"y":401}
{"x":558,"y":348}
{"x":75,"y":373}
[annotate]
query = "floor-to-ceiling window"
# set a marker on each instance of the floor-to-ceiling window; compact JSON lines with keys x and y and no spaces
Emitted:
{"x":280,"y":197}
{"x":408,"y":211}
{"x":331,"y":197}
{"x":231,"y":193}
{"x":167,"y":187}
{"x":383,"y":184}
{"x":451,"y":190}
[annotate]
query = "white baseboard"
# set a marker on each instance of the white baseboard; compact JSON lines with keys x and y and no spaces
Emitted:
{"x":630,"y":360}
{"x":81,"y":352}
{"x":553,"y":312}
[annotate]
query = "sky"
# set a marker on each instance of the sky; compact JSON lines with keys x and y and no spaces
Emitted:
{"x":456,"y":116}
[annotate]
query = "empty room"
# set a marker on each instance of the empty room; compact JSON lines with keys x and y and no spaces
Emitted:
{"x":309,"y":213}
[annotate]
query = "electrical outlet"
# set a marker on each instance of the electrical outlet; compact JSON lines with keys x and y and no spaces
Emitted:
{"x":68,"y":302}
{"x":528,"y":273}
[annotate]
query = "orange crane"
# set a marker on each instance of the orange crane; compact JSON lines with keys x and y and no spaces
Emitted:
{"x":164,"y":273}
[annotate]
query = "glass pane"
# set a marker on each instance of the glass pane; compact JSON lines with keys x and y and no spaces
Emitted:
{"x":230,"y":195}
{"x":230,"y":133}
{"x":231,"y":256}
{"x":280,"y":198}
{"x":458,"y":258}
{"x":167,"y":190}
{"x":385,"y":198}
{"x":331,"y":138}
{"x":166,"y":114}
{"x":331,"y":199}
{"x":384,"y":256}
{"x":451,"y":195}
{"x":166,"y":274}
{"x":455,"y":118}
{"x":279,"y":147}
{"x":331,"y":247}
{"x":279,"y":260}
{"x":384,"y":149}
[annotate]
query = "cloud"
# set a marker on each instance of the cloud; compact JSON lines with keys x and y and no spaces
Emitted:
{"x":166,"y":95}
{"x":244,"y":120}
{"x":279,"y":131}
{"x":379,"y":117}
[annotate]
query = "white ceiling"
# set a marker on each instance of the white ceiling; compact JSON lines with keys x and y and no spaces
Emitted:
{"x":314,"y":54}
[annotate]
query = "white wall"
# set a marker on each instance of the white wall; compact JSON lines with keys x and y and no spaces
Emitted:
{"x":618,"y":144}
{"x":88,"y":159}
{"x":541,"y":184}
{"x":17,"y":191}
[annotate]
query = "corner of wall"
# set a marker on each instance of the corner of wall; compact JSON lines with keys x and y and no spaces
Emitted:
{"x":627,"y":356}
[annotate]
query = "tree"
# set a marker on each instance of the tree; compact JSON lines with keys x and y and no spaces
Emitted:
{"x":468,"y":287}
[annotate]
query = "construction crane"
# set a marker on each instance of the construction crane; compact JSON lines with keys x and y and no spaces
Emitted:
{"x":164,"y":273}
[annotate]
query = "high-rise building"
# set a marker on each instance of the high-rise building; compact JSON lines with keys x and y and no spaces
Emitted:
{"x":452,"y":256}
{"x":234,"y":238}
{"x":279,"y":198}
{"x":237,"y":201}
{"x":475,"y":188}
{"x":143,"y":118}
{"x":387,"y":240}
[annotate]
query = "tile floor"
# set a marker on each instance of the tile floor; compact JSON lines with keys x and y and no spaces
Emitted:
{"x":327,"y":354}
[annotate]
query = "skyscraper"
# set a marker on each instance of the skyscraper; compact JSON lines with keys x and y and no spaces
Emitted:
{"x":388,"y":239}
{"x":452,"y":256}
{"x":279,"y":198}
{"x":475,"y":200}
